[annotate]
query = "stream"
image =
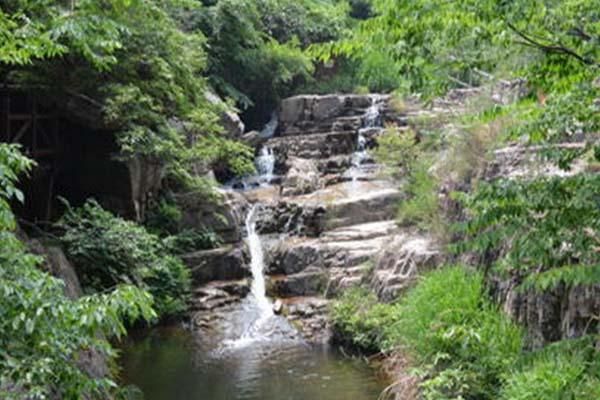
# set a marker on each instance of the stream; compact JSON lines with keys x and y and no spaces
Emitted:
{"x":169,"y":363}
{"x":249,"y":352}
{"x":257,"y":355}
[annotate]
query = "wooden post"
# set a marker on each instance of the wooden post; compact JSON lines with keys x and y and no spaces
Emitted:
{"x":5,"y":121}
{"x":34,"y":127}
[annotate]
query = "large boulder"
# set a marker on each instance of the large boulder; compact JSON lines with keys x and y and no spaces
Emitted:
{"x":225,"y":216}
{"x":302,"y":177}
{"x":229,"y":119}
{"x":304,"y":114}
{"x":225,"y":263}
{"x":292,"y":218}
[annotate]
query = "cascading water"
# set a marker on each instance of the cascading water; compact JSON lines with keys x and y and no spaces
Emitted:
{"x":257,"y":265}
{"x":270,"y":128}
{"x":265,"y":165}
{"x":371,"y":120}
{"x":264,"y":161}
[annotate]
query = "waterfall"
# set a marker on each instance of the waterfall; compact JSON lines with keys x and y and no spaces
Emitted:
{"x":257,"y":265}
{"x":269,"y":129}
{"x":265,"y":165}
{"x":371,"y":120}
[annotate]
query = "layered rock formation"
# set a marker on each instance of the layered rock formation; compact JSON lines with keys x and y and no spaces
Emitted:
{"x":324,"y":218}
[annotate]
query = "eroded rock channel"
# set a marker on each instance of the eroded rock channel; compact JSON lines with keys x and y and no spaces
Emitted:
{"x":321,"y":211}
{"x":306,"y":227}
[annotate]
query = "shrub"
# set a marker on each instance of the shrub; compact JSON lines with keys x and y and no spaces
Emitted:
{"x":556,"y":373}
{"x":463,"y":344}
{"x":165,"y":220}
{"x":109,"y":250}
{"x":359,"y":320}
{"x":42,"y":332}
{"x":422,"y":208}
{"x":398,"y":150}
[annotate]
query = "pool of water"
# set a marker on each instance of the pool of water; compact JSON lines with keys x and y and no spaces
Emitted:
{"x":171,"y":363}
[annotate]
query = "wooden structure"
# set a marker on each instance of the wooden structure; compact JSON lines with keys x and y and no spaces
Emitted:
{"x":27,"y":121}
{"x":23,"y":119}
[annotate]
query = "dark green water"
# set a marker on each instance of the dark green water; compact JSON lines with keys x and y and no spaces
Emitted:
{"x":170,"y":364}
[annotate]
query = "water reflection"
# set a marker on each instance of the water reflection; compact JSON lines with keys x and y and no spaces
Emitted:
{"x":172,"y":364}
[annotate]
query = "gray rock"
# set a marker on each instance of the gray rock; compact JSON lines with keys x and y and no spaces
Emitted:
{"x":302,"y":177}
{"x":224,"y":217}
{"x":311,"y":281}
{"x":59,"y":266}
{"x":550,"y":315}
{"x":230,"y":120}
{"x":404,"y":258}
{"x":291,"y":109}
{"x":326,"y":106}
{"x":225,"y":263}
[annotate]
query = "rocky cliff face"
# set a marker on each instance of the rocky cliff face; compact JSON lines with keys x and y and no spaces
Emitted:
{"x":325,"y":216}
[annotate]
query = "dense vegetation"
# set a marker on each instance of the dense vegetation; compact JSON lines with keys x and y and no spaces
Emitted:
{"x":460,"y":345}
{"x":149,"y":69}
{"x":44,"y":333}
{"x":539,"y":230}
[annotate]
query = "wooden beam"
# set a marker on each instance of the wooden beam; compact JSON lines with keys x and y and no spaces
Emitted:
{"x":6,"y":121}
{"x":19,"y":135}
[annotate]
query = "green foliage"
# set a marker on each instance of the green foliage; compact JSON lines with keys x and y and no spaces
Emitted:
{"x":422,"y":208}
{"x":420,"y":45}
{"x":255,"y":48}
{"x":359,"y":320}
{"x":42,"y":332}
{"x":561,"y":371}
{"x":12,"y":164}
{"x":131,"y":61}
{"x":398,"y":150}
{"x":108,"y":250}
{"x":461,"y":341}
{"x":546,"y":225}
{"x":461,"y":344}
{"x":164,"y":219}
{"x":189,"y":240}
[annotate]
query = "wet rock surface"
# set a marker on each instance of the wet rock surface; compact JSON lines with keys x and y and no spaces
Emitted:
{"x":322,"y":224}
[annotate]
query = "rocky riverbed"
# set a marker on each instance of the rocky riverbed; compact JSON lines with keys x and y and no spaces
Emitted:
{"x":325,"y":215}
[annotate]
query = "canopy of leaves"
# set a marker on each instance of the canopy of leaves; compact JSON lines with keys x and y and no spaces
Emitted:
{"x":132,"y":61}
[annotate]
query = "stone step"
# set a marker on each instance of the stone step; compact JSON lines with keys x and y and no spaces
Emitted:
{"x":218,"y":294}
{"x":311,"y":281}
{"x":364,"y":231}
{"x":206,"y":304}
{"x":344,"y":278}
{"x":354,"y":203}
{"x":231,"y":287}
{"x":314,"y":146}
{"x":310,"y":315}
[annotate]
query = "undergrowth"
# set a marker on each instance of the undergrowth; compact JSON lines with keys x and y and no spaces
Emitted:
{"x":461,"y":345}
{"x":108,"y":250}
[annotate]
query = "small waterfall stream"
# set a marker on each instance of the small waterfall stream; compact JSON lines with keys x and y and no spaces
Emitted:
{"x":371,"y":120}
{"x":257,"y":266}
{"x":265,"y":165}
{"x":247,"y":351}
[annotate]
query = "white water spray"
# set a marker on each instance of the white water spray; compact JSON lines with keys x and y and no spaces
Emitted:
{"x":257,"y":265}
{"x":265,"y":165}
{"x":371,"y":120}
